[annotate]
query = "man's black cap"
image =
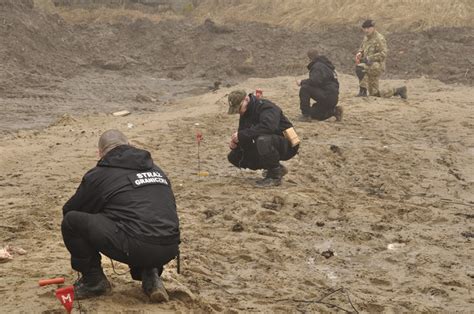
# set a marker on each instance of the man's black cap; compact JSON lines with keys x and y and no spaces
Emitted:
{"x":368,"y":23}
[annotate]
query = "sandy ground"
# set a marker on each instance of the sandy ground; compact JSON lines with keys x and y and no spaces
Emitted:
{"x":392,"y":172}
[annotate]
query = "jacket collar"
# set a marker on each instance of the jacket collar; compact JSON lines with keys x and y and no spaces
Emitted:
{"x":252,"y":106}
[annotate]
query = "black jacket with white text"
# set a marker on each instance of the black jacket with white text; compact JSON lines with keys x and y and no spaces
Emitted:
{"x":128,"y":188}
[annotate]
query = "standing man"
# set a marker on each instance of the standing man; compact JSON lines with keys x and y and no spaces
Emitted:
{"x":322,"y":86}
{"x":125,"y":209}
{"x":370,"y":64}
{"x":260,"y":142}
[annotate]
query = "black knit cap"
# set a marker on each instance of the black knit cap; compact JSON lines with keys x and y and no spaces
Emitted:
{"x":368,"y":23}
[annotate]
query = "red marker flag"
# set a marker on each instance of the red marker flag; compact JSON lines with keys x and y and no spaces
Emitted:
{"x":66,"y":297}
{"x":199,"y":136}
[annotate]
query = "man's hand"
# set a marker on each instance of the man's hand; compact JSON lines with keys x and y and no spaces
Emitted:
{"x":234,"y":140}
{"x":298,"y":82}
{"x":235,"y":137}
{"x":358,"y":57}
{"x":366,"y":61}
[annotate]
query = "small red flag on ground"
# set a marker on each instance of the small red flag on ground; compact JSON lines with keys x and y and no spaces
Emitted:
{"x":66,"y":297}
{"x":199,"y":136}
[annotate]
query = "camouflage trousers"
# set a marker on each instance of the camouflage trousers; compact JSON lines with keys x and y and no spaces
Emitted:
{"x":371,"y":81}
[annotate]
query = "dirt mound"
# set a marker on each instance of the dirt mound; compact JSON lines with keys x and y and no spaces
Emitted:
{"x":34,"y":48}
{"x":446,"y":54}
{"x":46,"y":59}
{"x":39,"y":49}
{"x":214,"y":51}
{"x":17,"y":4}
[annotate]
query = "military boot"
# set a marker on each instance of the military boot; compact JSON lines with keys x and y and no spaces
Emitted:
{"x":362,"y":92}
{"x":273,"y":177}
{"x":338,"y":111}
{"x":153,"y":286}
{"x":402,"y":92}
{"x":91,"y":284}
{"x":284,"y":171}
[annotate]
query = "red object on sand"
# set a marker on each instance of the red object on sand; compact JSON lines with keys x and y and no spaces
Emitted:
{"x":66,"y":297}
{"x":258,"y":93}
{"x":45,"y":282}
{"x":199,"y":137}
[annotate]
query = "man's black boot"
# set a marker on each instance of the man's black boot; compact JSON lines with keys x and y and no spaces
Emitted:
{"x":153,"y":286}
{"x":284,"y":171}
{"x":402,"y":92}
{"x":92,"y":284}
{"x":273,"y":177}
{"x":362,"y":92}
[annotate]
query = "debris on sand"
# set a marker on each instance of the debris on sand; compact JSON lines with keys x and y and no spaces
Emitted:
{"x":276,"y":204}
{"x":144,"y":98}
{"x":16,"y":250}
{"x":328,"y":253}
{"x":5,"y":256}
{"x":6,"y":253}
{"x":122,"y":113}
{"x":335,"y":149}
{"x":238,"y":227}
{"x":64,"y":120}
{"x":395,"y":246}
{"x":271,"y":206}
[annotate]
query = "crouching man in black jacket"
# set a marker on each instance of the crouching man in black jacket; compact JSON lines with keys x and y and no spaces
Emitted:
{"x":125,"y":209}
{"x":259,"y":142}
{"x":322,"y":86}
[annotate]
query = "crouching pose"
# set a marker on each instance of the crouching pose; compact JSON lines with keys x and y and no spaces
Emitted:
{"x":264,"y":137}
{"x":125,"y":209}
{"x":322,"y":86}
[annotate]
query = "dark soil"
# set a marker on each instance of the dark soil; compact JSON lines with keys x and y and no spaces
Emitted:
{"x":40,"y":52}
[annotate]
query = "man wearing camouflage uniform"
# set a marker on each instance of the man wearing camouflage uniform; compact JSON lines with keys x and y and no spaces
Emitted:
{"x":370,"y":60}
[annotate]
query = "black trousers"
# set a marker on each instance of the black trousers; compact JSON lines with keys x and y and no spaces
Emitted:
{"x":85,"y":235}
{"x":265,"y":153}
{"x":324,"y":106}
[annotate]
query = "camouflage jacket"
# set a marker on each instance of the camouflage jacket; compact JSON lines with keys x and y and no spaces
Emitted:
{"x":374,"y":47}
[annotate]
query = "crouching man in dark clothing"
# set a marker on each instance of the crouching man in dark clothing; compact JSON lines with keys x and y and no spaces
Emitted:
{"x":260,"y":142}
{"x":322,"y":86}
{"x":125,"y":209}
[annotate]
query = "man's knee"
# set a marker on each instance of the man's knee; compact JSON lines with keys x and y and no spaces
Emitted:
{"x":77,"y":223}
{"x":70,"y":221}
{"x":305,"y":91}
